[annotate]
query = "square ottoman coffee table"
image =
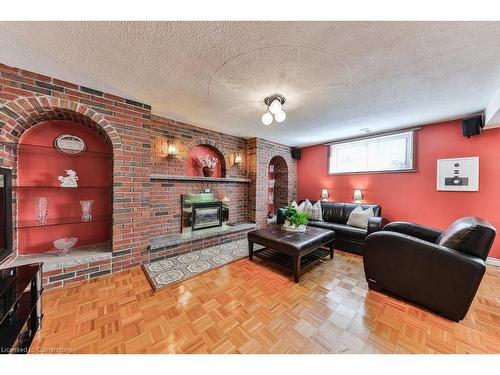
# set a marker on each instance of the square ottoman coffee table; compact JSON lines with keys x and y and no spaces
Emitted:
{"x":295,"y":251}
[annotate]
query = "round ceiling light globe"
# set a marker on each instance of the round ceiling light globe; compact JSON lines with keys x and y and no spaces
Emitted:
{"x":280,"y":116}
{"x":267,"y":118}
{"x":275,"y":106}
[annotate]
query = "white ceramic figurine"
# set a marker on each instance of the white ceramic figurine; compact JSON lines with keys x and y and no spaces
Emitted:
{"x":69,"y":180}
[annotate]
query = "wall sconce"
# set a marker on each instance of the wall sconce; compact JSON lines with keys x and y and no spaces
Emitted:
{"x":357,"y":195}
{"x":237,"y":159}
{"x":171,"y":151}
{"x":324,"y":194}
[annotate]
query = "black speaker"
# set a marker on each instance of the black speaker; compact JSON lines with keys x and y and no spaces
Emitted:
{"x":472,"y":126}
{"x":295,"y":151}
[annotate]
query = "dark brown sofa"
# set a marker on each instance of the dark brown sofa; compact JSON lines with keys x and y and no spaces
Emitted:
{"x":335,"y":216}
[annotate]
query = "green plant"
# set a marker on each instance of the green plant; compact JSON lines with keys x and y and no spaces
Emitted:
{"x":295,"y":217}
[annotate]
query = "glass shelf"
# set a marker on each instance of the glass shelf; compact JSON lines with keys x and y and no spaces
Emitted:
{"x":29,"y":147}
{"x":61,"y":221}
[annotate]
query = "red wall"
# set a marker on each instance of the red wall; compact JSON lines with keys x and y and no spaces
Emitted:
{"x":192,"y":166}
{"x":413,"y":196}
{"x":40,"y":166}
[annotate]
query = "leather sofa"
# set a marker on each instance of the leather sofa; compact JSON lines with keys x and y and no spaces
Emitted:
{"x":335,"y":216}
{"x":439,"y":270}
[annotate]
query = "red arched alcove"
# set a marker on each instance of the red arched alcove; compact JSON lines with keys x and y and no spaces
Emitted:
{"x":40,"y":164}
{"x":192,"y":167}
{"x":278,"y":190}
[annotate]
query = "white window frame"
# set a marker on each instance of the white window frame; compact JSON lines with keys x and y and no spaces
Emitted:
{"x":410,"y":153}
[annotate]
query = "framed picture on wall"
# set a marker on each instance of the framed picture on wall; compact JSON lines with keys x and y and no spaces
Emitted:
{"x":459,"y":174}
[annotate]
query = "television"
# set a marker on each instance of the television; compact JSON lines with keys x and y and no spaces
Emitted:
{"x":5,"y":213}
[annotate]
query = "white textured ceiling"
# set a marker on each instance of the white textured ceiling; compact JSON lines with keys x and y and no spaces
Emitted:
{"x":338,"y":77}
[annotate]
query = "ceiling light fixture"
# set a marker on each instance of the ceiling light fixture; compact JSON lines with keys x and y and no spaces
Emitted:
{"x":274,"y":107}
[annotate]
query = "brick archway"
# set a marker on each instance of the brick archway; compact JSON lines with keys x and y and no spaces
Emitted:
{"x":19,"y":115}
{"x":280,"y":167}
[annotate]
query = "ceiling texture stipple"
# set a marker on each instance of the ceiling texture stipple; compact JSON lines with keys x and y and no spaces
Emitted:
{"x":337,"y":77}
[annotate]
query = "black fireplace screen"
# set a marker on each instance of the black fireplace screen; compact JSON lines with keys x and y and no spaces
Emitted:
{"x":206,"y":215}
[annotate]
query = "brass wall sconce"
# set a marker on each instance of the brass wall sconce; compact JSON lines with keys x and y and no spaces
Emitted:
{"x":237,"y":159}
{"x":171,"y":151}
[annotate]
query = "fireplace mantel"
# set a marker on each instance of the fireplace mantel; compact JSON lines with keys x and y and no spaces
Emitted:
{"x":199,"y":178}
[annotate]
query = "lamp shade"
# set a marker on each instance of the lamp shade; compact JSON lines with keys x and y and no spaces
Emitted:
{"x":275,"y":107}
{"x":358,"y":195}
{"x":324,"y":194}
{"x":280,"y":116}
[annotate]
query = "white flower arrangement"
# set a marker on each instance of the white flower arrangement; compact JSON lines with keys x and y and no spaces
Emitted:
{"x":207,"y":161}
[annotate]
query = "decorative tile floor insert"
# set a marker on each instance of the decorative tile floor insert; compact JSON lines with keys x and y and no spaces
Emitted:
{"x":167,"y":271}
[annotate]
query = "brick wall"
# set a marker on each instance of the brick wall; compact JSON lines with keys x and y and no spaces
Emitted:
{"x":142,"y":209}
{"x":185,"y":137}
{"x":166,"y":202}
{"x":166,"y":194}
{"x":260,"y":153}
{"x":27,"y":98}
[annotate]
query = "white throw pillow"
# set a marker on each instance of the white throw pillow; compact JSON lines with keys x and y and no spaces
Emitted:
{"x":307,"y":207}
{"x":314,"y":211}
{"x":299,"y":208}
{"x":359,"y":218}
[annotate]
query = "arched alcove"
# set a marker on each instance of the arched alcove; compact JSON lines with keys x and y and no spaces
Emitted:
{"x":202,"y":150}
{"x":21,"y":115}
{"x":278,"y":190}
{"x":39,"y":163}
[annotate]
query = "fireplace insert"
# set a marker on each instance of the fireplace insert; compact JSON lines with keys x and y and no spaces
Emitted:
{"x":206,"y":215}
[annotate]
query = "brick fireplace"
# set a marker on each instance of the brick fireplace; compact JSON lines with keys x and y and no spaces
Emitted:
{"x":147,"y":185}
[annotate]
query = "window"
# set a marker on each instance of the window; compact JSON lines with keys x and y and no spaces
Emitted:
{"x":393,"y":152}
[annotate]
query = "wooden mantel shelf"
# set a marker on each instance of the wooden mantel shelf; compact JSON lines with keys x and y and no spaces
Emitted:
{"x":199,"y":178}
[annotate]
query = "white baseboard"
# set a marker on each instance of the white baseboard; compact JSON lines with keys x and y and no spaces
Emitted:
{"x":493,"y":261}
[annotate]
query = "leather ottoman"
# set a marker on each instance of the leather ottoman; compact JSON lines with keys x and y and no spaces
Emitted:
{"x":291,"y":250}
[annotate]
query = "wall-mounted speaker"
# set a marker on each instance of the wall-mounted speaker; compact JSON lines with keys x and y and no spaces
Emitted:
{"x":295,"y":151}
{"x":472,"y":126}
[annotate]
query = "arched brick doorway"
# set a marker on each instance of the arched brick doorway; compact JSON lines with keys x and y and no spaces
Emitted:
{"x":277,"y":190}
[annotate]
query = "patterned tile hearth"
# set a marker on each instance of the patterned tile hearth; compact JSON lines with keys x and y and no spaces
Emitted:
{"x":176,"y":268}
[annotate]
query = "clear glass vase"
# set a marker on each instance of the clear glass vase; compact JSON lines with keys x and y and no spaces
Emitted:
{"x":87,"y":210}
{"x":41,"y":211}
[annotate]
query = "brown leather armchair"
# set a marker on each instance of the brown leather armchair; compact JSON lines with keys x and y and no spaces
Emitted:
{"x":439,"y":270}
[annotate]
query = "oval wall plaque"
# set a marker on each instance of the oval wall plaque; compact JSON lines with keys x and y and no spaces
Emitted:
{"x":70,"y":144}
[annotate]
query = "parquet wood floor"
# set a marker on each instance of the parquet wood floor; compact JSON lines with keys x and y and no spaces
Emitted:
{"x":247,"y":307}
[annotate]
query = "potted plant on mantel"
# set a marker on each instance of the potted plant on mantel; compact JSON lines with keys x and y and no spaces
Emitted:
{"x":207,"y":165}
{"x":295,"y":221}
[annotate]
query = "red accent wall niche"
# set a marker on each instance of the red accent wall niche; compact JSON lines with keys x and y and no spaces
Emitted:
{"x":413,"y":196}
{"x":40,"y":164}
{"x":192,"y":167}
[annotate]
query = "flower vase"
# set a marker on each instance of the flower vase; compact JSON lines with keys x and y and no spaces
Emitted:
{"x":293,"y":227}
{"x":41,"y":211}
{"x":87,"y":210}
{"x":208,"y":172}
